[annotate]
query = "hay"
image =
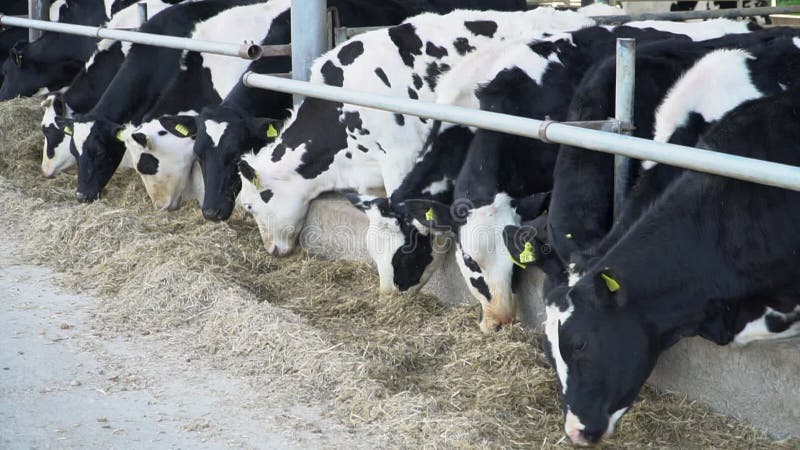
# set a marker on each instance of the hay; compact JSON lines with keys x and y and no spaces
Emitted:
{"x":404,"y":369}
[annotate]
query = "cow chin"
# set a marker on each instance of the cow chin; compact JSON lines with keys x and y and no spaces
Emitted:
{"x":495,"y":316}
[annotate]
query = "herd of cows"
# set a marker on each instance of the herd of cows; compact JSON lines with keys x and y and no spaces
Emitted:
{"x":689,"y":254}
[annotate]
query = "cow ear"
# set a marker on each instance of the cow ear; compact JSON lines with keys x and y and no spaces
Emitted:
{"x":532,"y":206}
{"x":432,"y":214}
{"x":266,"y":129}
{"x":47,"y":102}
{"x":180,"y":126}
{"x":521,"y":244}
{"x":249,"y":173}
{"x":17,"y":54}
{"x":59,"y":105}
{"x":610,"y":291}
{"x":65,"y":124}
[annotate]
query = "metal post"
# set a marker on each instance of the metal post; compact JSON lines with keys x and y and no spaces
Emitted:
{"x":142,"y":8}
{"x":38,"y":10}
{"x":309,"y":37}
{"x":623,"y":111}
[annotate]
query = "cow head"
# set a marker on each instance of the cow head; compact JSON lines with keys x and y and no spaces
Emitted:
{"x":485,"y":264}
{"x":405,"y":252}
{"x":601,"y":350}
{"x":27,"y":70}
{"x":277,"y":201}
{"x":223,"y":136}
{"x":98,"y":147}
{"x":161,"y":151}
{"x":56,"y":155}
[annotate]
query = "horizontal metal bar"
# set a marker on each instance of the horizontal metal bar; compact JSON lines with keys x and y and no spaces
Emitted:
{"x":245,"y":50}
{"x":690,"y":15}
{"x":747,"y":169}
{"x":276,"y":50}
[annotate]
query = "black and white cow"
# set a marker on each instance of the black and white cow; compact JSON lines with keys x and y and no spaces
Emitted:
{"x":53,"y":60}
{"x":713,"y":257}
{"x":87,"y":87}
{"x":330,"y":146}
{"x":10,"y":36}
{"x":98,"y":135}
{"x":535,"y":80}
{"x":244,"y":122}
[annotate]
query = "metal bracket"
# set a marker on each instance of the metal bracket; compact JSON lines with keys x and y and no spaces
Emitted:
{"x":610,"y":125}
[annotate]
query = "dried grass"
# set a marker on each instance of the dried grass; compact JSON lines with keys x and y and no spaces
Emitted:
{"x":406,"y":369}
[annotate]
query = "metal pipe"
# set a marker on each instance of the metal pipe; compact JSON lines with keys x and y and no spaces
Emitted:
{"x":142,"y":9}
{"x":739,"y":167}
{"x":309,"y":40}
{"x":623,"y":111}
{"x":38,"y":10}
{"x":246,"y":50}
{"x":690,"y":15}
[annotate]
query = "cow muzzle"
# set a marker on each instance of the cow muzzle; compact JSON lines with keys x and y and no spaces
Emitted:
{"x":86,"y":198}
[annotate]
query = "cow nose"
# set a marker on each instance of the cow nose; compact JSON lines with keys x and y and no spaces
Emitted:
{"x":86,"y":198}
{"x":591,"y":437}
{"x":212,"y":214}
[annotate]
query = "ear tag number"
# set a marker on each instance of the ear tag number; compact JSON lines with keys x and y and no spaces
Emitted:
{"x":119,"y":136}
{"x":527,"y":255}
{"x":430,"y":215}
{"x":181,"y":128}
{"x":257,"y":182}
{"x":68,"y":130}
{"x":272,"y":132}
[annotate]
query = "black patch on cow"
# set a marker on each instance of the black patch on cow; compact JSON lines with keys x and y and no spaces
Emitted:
{"x":362,"y":148}
{"x":413,"y":94}
{"x":433,"y":72}
{"x":247,"y":171}
{"x":350,"y":52}
{"x":471,"y":264}
{"x":463,"y":46}
{"x":162,"y":133}
{"x":278,"y":152}
{"x":480,"y":285}
{"x":266,"y":195}
{"x":417,"y":80}
{"x":423,"y":120}
{"x":411,"y":260}
{"x":543,"y":49}
{"x":333,"y":76}
{"x":147,"y":165}
{"x":482,"y":27}
{"x":380,"y":147}
{"x":320,"y":143}
{"x":400,"y":119}
{"x":140,"y":139}
{"x":352,"y":122}
{"x":407,"y":42}
{"x":382,"y":75}
{"x":435,"y":51}
{"x":348,"y":155}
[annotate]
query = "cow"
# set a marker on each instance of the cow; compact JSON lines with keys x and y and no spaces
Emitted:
{"x":98,"y":135}
{"x":712,"y":257}
{"x":53,"y":60}
{"x":10,"y":36}
{"x":537,"y":80}
{"x":86,"y":88}
{"x":328,"y":146}
{"x":245,"y":117}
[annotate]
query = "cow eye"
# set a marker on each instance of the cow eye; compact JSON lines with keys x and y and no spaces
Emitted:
{"x":248,"y":207}
{"x":579,"y":344}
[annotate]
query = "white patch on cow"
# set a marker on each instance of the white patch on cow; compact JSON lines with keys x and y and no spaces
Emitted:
{"x":555,"y":318}
{"x":796,"y":42}
{"x":783,"y":86}
{"x":613,"y":420}
{"x":600,"y":9}
{"x":573,"y":276}
{"x":438,"y":187}
{"x":757,"y":329}
{"x":647,"y":165}
{"x":391,"y":150}
{"x":383,"y":239}
{"x":717,"y":83}
{"x":80,"y":133}
{"x":215,"y":130}
{"x":170,"y":184}
{"x":697,"y":31}
{"x":481,"y":238}
{"x":248,"y":23}
{"x":573,"y":428}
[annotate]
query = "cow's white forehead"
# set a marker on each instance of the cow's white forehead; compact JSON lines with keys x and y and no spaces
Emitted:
{"x":215,"y":130}
{"x":80,"y":133}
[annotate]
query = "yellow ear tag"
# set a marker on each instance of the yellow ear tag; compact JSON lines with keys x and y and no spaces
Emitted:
{"x":527,"y":255}
{"x":68,"y":130}
{"x":272,"y":132}
{"x":611,"y":283}
{"x":257,"y":182}
{"x":181,"y":128}
{"x":430,"y":215}
{"x":119,"y":136}
{"x":568,"y":235}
